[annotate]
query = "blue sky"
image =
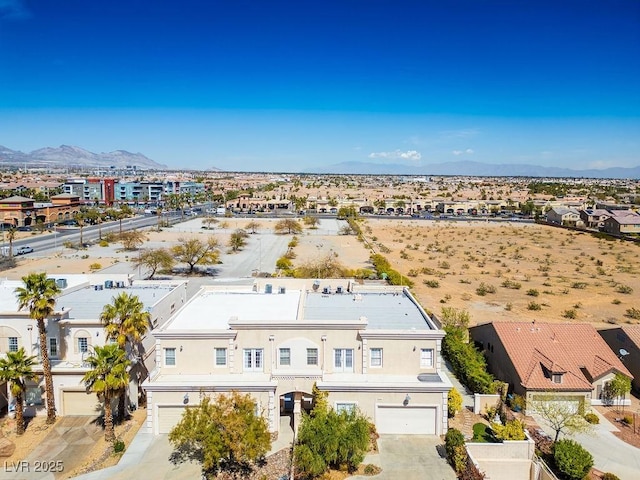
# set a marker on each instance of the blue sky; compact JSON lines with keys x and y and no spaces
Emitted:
{"x":285,"y":85}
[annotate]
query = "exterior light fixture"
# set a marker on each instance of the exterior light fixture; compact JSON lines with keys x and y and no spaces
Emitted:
{"x":406,"y":400}
{"x":185,"y":400}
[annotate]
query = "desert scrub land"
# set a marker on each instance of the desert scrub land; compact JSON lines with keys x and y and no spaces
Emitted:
{"x":513,"y":271}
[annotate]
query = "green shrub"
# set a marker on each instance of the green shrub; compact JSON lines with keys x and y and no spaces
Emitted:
{"x":628,"y":419}
{"x":633,"y":313}
{"x":95,"y":266}
{"x":432,"y":283}
{"x":534,"y":306}
{"x":454,"y":402}
{"x":532,"y":292}
{"x":283,"y":263}
{"x":118,"y":446}
{"x":572,"y":459}
{"x":103,"y":243}
{"x":371,"y":469}
{"x":512,"y":430}
{"x":592,"y":418}
{"x":511,"y":284}
{"x":454,"y":447}
{"x":579,"y":285}
{"x":483,"y":289}
{"x":571,"y":314}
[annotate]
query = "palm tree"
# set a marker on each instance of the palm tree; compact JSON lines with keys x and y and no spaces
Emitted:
{"x":39,"y":296}
{"x":16,"y":369}
{"x":126,"y":322}
{"x":11,"y":235}
{"x":108,"y":376}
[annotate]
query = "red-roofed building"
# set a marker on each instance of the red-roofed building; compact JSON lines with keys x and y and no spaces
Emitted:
{"x":625,"y":341}
{"x":570,"y":361}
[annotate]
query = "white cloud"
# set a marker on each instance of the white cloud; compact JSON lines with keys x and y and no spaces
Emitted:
{"x":468,"y":151}
{"x":412,"y":155}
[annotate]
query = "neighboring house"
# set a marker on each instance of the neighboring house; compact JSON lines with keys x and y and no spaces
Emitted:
{"x":564,"y":216}
{"x":594,"y":218}
{"x":623,"y":223}
{"x":75,"y":329}
{"x":625,"y":342}
{"x":369,"y":346}
{"x":568,"y":360}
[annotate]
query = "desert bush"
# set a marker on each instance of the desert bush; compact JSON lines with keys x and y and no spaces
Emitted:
{"x":624,"y":289}
{"x":444,"y":265}
{"x":628,"y":419}
{"x":572,"y":459}
{"x":508,"y":307}
{"x":118,"y":446}
{"x":571,"y":314}
{"x":95,"y":266}
{"x":432,"y":283}
{"x":579,"y":285}
{"x":511,"y":284}
{"x":616,"y":301}
{"x":483,"y":289}
{"x":371,"y":469}
{"x":534,"y":306}
{"x":532,"y":292}
{"x":633,"y":313}
{"x":592,"y":418}
{"x":103,"y":243}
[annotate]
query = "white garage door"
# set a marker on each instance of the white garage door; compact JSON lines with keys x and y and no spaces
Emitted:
{"x":559,"y":404}
{"x":80,"y":403}
{"x":168,"y":417}
{"x":409,"y":420}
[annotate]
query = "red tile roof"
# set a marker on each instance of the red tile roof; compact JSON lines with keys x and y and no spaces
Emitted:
{"x":633,"y":332}
{"x":540,"y":349}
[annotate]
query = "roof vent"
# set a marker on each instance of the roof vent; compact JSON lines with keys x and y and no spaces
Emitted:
{"x":282,"y":290}
{"x":268,"y":288}
{"x":339,"y":289}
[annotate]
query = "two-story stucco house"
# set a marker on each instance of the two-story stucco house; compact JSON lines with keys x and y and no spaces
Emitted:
{"x":75,"y":329}
{"x":368,"y":346}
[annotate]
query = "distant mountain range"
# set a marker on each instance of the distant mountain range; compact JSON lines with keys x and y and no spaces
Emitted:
{"x":474,"y":169}
{"x":69,"y":156}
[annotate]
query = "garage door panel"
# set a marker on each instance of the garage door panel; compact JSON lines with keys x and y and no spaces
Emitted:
{"x":168,"y":417}
{"x":80,"y":403}
{"x":409,"y":420}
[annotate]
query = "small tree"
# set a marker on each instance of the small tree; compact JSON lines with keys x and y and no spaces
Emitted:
{"x":222,"y":435}
{"x":11,"y":235}
{"x":253,"y":226}
{"x":311,"y":221}
{"x":560,"y":415}
{"x":618,"y":388}
{"x":572,"y":459}
{"x":194,"y":251}
{"x":132,"y":239}
{"x":17,"y":369}
{"x":454,"y":448}
{"x":238,"y":240}
{"x":288,"y":226}
{"x":154,"y":259}
{"x":454,"y":402}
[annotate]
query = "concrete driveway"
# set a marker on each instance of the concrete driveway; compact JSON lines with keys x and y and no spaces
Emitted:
{"x":63,"y":449}
{"x":410,"y":457}
{"x":610,"y":454}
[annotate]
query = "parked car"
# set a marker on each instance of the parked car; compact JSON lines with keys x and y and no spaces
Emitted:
{"x":24,"y":249}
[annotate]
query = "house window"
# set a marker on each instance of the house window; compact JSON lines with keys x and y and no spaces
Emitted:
{"x":376,"y":357}
{"x":53,"y":347}
{"x":343,"y":359}
{"x":285,"y":356}
{"x":170,"y":357}
{"x":83,"y":344}
{"x":556,"y":378}
{"x":221,"y":357}
{"x":426,"y":358}
{"x":348,"y":407}
{"x":33,"y":396}
{"x":13,"y":344}
{"x":312,"y":356}
{"x":253,"y":359}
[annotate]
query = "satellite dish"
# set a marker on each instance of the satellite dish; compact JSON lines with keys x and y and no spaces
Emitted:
{"x":623,"y":352}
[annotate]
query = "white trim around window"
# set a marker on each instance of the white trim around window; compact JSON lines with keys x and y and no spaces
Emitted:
{"x":312,"y":357}
{"x":169,"y":357}
{"x":13,"y":344}
{"x":253,"y":359}
{"x":343,"y":359}
{"x":284,"y":357}
{"x":375,"y":357}
{"x":220,"y":357}
{"x":53,"y":347}
{"x":426,"y":358}
{"x":345,"y":406}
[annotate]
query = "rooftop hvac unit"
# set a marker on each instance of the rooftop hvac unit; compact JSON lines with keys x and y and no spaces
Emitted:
{"x":61,"y":283}
{"x":339,"y":289}
{"x":326,"y":290}
{"x":119,"y":284}
{"x":108,"y":284}
{"x":316,"y":285}
{"x":98,"y":287}
{"x":282,"y":290}
{"x":268,"y":288}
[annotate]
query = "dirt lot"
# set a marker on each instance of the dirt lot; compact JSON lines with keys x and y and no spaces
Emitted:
{"x":514,"y":271}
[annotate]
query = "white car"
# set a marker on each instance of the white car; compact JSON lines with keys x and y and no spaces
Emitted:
{"x":24,"y":249}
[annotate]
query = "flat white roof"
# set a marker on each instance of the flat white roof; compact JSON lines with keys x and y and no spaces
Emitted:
{"x":213,"y":309}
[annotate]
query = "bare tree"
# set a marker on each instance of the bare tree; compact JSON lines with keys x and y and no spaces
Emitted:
{"x":253,"y":226}
{"x":132,"y":239}
{"x":561,"y":415}
{"x":288,"y":225}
